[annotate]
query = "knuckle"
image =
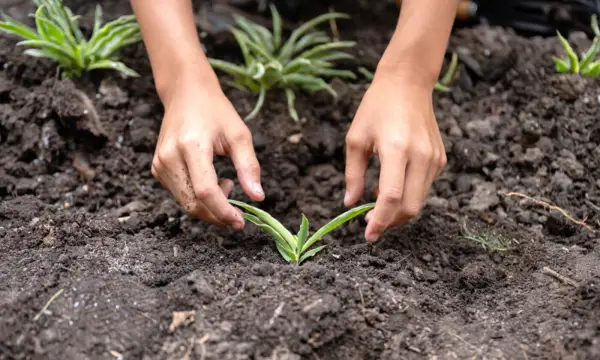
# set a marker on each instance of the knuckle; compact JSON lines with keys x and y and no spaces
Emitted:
{"x":187,"y":141}
{"x":424,"y":153}
{"x":165,"y":155}
{"x":203,"y":192}
{"x":397,"y":145}
{"x":241,"y":136}
{"x":353,"y":141}
{"x":155,"y":168}
{"x":393,"y":195}
{"x":443,"y":161}
{"x":413,"y":209}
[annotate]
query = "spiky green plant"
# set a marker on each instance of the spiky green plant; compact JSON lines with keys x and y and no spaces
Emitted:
{"x":442,"y":84}
{"x":487,"y":239}
{"x":301,"y":62}
{"x":58,"y":37}
{"x":296,"y":248}
{"x":586,"y":66}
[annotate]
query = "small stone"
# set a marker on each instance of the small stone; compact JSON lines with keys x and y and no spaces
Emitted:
{"x":427,"y":257}
{"x":201,"y":287}
{"x":431,"y":276}
{"x":533,"y":156}
{"x":568,"y":163}
{"x":485,"y":197}
{"x":112,"y":94}
{"x":402,"y":280}
{"x":561,"y":181}
{"x":418,"y":273}
{"x":463,"y":183}
{"x":26,"y":186}
{"x":263,"y":269}
{"x":437,"y":202}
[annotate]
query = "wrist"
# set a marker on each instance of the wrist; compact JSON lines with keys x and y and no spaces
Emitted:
{"x":199,"y":76}
{"x":406,"y":73}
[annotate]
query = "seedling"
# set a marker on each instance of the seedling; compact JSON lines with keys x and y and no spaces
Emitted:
{"x":487,"y":239}
{"x":296,"y":248}
{"x":586,"y":66}
{"x":443,"y":84}
{"x":301,"y":62}
{"x":59,"y":38}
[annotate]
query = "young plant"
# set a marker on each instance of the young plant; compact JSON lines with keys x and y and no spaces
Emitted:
{"x":301,"y":62}
{"x":586,"y":66}
{"x":487,"y":239}
{"x":58,"y":37}
{"x":296,"y":248}
{"x":443,"y":84}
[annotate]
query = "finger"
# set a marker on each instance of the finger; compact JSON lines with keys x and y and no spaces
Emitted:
{"x":198,"y":156}
{"x":357,"y":161}
{"x":246,"y":164}
{"x":170,"y":170}
{"x":391,"y":188}
{"x":414,"y":189}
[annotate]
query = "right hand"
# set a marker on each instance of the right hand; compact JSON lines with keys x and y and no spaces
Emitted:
{"x":199,"y":123}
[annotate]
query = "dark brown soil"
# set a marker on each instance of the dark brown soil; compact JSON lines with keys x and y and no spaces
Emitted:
{"x":80,"y":212}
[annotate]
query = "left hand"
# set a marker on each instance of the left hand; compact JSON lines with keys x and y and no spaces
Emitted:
{"x":396,"y":122}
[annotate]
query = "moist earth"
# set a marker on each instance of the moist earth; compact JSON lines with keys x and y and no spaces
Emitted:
{"x":81,"y":216}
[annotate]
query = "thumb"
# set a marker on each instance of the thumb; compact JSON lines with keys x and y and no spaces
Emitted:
{"x":357,"y":160}
{"x":245,"y":162}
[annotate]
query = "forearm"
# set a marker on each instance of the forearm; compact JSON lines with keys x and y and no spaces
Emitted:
{"x":173,"y":45}
{"x":417,"y":48}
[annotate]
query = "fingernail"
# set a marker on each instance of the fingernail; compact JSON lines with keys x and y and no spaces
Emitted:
{"x":346,"y":198}
{"x":238,"y":223}
{"x":372,"y":237}
{"x":257,"y":189}
{"x":369,"y":216}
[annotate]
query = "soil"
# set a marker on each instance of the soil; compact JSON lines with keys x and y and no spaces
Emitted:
{"x":80,"y":212}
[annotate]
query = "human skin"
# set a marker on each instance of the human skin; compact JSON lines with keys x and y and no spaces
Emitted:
{"x":395,"y":119}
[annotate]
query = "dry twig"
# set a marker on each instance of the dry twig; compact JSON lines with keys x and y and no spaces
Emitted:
{"x":546,"y":270}
{"x":551,"y":207}
{"x":48,"y":304}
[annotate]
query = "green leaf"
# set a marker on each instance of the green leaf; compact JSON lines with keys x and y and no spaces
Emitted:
{"x":18,"y":29}
{"x":337,"y":73}
{"x":561,"y":65}
{"x":366,"y":73}
{"x":594,"y":25}
{"x":451,"y":72}
{"x":114,"y":65}
{"x":573,"y":60}
{"x":310,"y":253}
{"x":269,"y":220}
{"x":302,"y":233}
{"x":39,"y":53}
{"x":592,"y":70}
{"x":97,"y":19}
{"x":277,"y":27}
{"x":50,"y":46}
{"x":51,"y":31}
{"x":590,"y":55}
{"x":333,"y":224}
{"x":242,"y":40}
{"x":440,"y":87}
{"x":311,"y":39}
{"x":291,"y":99}
{"x":260,"y":35}
{"x":324,"y":48}
{"x":289,"y":46}
{"x":227,"y":67}
{"x":284,"y":254}
{"x":336,"y":55}
{"x":282,"y":245}
{"x":259,"y":103}
{"x":296,"y":65}
{"x":108,"y":31}
{"x":103,"y":45}
{"x":260,"y":71}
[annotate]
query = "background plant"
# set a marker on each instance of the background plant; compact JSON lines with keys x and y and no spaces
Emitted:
{"x":585,"y":66}
{"x":443,"y":84}
{"x":301,"y":62}
{"x":296,"y":248}
{"x":487,"y":239}
{"x":58,"y":37}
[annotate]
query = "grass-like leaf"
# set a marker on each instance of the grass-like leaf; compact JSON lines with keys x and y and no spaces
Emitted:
{"x":296,"y":248}
{"x":270,"y":63}
{"x":58,"y":37}
{"x":586,"y":65}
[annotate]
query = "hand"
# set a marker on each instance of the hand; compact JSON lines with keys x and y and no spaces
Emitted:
{"x":395,"y":121}
{"x":200,"y":122}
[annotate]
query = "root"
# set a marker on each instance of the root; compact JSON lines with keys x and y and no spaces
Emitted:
{"x":91,"y":113}
{"x":551,"y":207}
{"x":48,"y":304}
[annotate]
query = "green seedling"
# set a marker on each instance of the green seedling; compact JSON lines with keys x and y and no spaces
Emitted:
{"x":301,"y":62}
{"x":487,"y":239}
{"x":443,"y":84}
{"x":296,"y":248}
{"x":573,"y":64}
{"x":58,"y":37}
